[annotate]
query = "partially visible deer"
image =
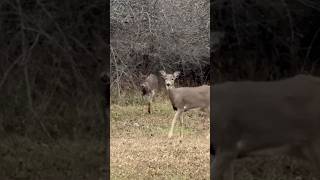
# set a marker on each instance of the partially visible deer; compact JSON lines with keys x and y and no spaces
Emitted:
{"x":266,"y":118}
{"x":149,"y":87}
{"x":185,"y":98}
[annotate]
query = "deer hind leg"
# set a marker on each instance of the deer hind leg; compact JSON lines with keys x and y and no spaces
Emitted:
{"x":153,"y":93}
{"x":312,"y":153}
{"x":149,"y":103}
{"x":176,"y":116}
{"x":150,"y":100}
{"x":221,"y":167}
{"x":149,"y":107}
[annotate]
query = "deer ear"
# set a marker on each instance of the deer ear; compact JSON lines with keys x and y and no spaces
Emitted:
{"x":176,"y":74}
{"x":163,"y":73}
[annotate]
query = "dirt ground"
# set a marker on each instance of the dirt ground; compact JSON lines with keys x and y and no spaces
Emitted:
{"x":140,"y":148}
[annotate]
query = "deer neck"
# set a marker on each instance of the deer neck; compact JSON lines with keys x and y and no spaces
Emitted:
{"x":171,"y":87}
{"x":170,"y":92}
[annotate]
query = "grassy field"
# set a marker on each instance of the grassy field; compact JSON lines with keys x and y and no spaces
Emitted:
{"x":140,"y":148}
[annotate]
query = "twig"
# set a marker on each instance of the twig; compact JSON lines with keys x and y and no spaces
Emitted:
{"x":10,"y":68}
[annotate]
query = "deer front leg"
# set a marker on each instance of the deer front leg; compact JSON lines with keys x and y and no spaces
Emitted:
{"x":208,"y":117}
{"x":208,"y":136}
{"x":176,"y":116}
{"x":181,"y":126}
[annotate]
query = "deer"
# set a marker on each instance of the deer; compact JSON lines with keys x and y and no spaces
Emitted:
{"x":149,"y":87}
{"x":184,"y":99}
{"x":266,"y":118}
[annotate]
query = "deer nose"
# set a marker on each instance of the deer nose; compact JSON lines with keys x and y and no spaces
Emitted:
{"x":168,"y":84}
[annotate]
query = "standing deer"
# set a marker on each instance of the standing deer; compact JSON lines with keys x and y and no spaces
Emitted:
{"x":266,"y":118}
{"x":148,"y":88}
{"x":185,"y":98}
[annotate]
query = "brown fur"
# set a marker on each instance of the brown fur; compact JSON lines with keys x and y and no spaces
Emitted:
{"x":185,"y":98}
{"x":266,"y":118}
{"x":190,"y":97}
{"x":149,"y":88}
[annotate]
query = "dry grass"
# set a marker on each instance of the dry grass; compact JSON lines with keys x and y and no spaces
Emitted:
{"x":140,"y":148}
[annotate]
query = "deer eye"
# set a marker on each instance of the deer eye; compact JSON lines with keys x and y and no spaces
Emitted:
{"x":172,"y":79}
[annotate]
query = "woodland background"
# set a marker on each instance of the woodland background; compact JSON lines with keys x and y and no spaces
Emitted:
{"x":52,"y":54}
{"x":148,"y":36}
{"x":265,"y":39}
{"x":52,"y":123}
{"x":145,"y":37}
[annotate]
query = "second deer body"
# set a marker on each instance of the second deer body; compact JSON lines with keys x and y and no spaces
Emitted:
{"x":149,"y":88}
